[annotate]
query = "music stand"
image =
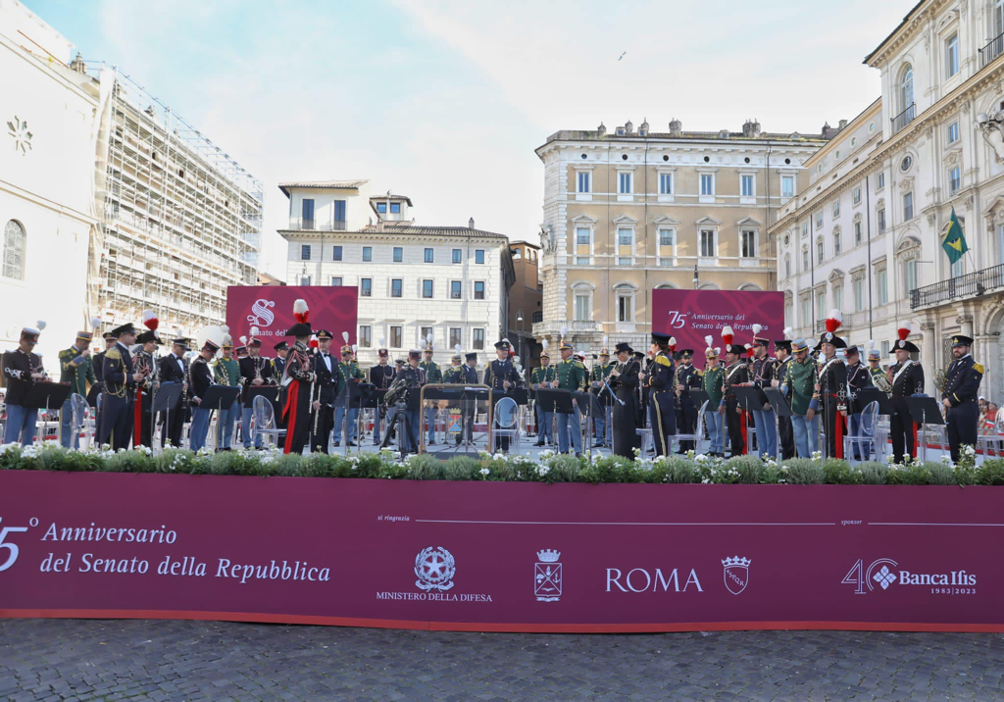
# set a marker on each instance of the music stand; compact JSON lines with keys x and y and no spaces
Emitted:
{"x":699,"y":397}
{"x":46,"y":396}
{"x":869,"y":395}
{"x":164,"y":401}
{"x":924,"y":410}
{"x":92,"y":394}
{"x":352,"y":391}
{"x":593,"y":407}
{"x":218,"y":398}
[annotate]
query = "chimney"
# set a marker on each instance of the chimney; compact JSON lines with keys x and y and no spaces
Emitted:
{"x":841,"y":124}
{"x":675,"y":127}
{"x":602,"y":129}
{"x":470,"y":223}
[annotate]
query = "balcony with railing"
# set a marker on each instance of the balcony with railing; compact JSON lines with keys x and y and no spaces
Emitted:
{"x":968,"y":285}
{"x":992,"y":50}
{"x":315,"y":225}
{"x":904,"y":118}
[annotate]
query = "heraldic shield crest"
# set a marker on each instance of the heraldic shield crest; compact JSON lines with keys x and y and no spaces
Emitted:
{"x":434,"y":568}
{"x":547,"y":576}
{"x":737,"y":573}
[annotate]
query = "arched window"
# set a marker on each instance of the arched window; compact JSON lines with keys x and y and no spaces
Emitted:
{"x":13,"y":250}
{"x":582,"y":300}
{"x":750,"y":286}
{"x":906,"y":88}
{"x":836,"y":242}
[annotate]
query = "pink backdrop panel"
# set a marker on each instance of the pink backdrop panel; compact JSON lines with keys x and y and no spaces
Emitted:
{"x":270,"y":308}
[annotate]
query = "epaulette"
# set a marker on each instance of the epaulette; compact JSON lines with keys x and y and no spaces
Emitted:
{"x":978,"y":367}
{"x":68,"y":353}
{"x":114,"y":354}
{"x":700,"y":373}
{"x":663,"y":361}
{"x":580,"y":364}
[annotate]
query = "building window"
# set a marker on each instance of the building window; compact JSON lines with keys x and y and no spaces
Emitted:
{"x":806,"y":311}
{"x":427,"y":289}
{"x":819,"y":220}
{"x":305,"y":280}
{"x":857,"y":233}
{"x":954,"y":180}
{"x":430,"y":255}
{"x":906,"y":89}
{"x":624,"y":237}
{"x":366,"y":287}
{"x":707,"y":184}
{"x":584,"y":182}
{"x":625,"y":303}
{"x":788,"y":186}
{"x":478,"y":338}
{"x":953,"y":132}
{"x":747,"y":243}
{"x":787,"y":265}
{"x":1000,"y":240}
{"x":396,"y":337}
{"x":456,"y":337}
{"x":821,"y":305}
{"x":396,"y":287}
{"x":958,"y":268}
{"x":666,"y":262}
{"x":582,"y":236}
{"x":307,"y":213}
{"x":838,"y":297}
{"x":836,"y":209}
{"x":456,"y":290}
{"x":425,"y":337}
{"x":911,"y":276}
{"x":365,"y":337}
{"x":952,"y":55}
{"x":907,"y":207}
{"x":805,"y":229}
{"x":395,"y":208}
{"x":458,"y":256}
{"x":304,"y":252}
{"x":665,"y":183}
{"x":479,"y":290}
{"x":666,"y":237}
{"x":336,"y":253}
{"x":746,"y":184}
{"x":881,"y":282}
{"x":805,"y":258}
{"x":624,"y":261}
{"x":382,"y":207}
{"x":881,"y":221}
{"x":339,"y":214}
{"x":708,"y":248}
{"x":398,"y":254}
{"x":624,"y":183}
{"x":479,"y":256}
{"x":336,"y":281}
{"x":819,"y":250}
{"x":857,"y":196}
{"x":583,"y":308}
{"x":367,"y":254}
{"x":859,"y":294}
{"x":836,"y":243}
{"x":582,"y":260}
{"x":14,"y":244}
{"x":880,"y":181}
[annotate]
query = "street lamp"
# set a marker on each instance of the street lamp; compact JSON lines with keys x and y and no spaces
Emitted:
{"x":519,"y":322}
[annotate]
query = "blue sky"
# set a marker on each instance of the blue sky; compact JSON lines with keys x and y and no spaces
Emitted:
{"x":445,"y":100}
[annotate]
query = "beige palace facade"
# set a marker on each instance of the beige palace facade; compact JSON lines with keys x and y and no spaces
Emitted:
{"x":632,"y":210}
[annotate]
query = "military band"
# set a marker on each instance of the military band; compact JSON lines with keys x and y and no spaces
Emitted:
{"x":597,"y":375}
{"x":76,"y":369}
{"x":661,"y":380}
{"x":906,"y":378}
{"x":542,"y":377}
{"x":688,"y":379}
{"x":832,"y":386}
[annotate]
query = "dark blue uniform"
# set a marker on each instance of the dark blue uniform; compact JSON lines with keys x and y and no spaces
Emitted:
{"x":116,"y":411}
{"x":686,"y":418}
{"x":662,"y":402}
{"x":962,"y":385}
{"x":496,"y":374}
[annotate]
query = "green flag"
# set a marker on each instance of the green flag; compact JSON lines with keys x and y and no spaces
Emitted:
{"x":955,"y":242}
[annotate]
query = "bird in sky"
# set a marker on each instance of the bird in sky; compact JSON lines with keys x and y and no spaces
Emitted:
{"x":621,"y":56}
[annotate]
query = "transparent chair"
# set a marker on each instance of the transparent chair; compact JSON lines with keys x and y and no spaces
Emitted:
{"x":263,"y":421}
{"x":79,"y":411}
{"x":864,"y":443}
{"x":698,"y":434}
{"x":506,"y":421}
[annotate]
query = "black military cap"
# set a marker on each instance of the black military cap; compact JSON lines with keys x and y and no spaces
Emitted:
{"x":124,"y":329}
{"x":148,"y":336}
{"x":961,"y":340}
{"x":662,"y":339}
{"x":472,"y":356}
{"x":324,"y":335}
{"x":281,"y":346}
{"x":300,"y":329}
{"x":622,"y":347}
{"x":502,"y":345}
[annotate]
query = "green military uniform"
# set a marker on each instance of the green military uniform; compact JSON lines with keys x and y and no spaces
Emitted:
{"x":77,"y":374}
{"x":801,"y":381}
{"x":713,"y":383}
{"x":571,"y":375}
{"x":226,"y":371}
{"x":454,"y":374}
{"x":432,"y":372}
{"x":542,"y":375}
{"x":601,"y":371}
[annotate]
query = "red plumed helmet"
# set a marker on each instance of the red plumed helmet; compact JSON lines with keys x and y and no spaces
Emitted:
{"x":672,"y":343}
{"x":300,"y":311}
{"x":150,"y":320}
{"x":749,"y":350}
{"x":834,"y":320}
{"x":313,"y":341}
{"x":727,"y":336}
{"x":904,"y":330}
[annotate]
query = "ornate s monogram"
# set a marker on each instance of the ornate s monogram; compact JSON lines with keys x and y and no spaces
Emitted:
{"x":18,"y":131}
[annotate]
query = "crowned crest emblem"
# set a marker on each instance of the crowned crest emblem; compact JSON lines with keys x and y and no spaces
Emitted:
{"x":434,"y":568}
{"x":737,"y":573}
{"x":547,"y":576}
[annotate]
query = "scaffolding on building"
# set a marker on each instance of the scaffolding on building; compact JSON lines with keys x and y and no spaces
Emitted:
{"x":181,"y":219}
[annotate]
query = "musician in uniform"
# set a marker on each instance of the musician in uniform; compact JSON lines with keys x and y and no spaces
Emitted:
{"x":687,"y":378}
{"x":99,"y":358}
{"x":200,"y":379}
{"x":602,"y":423}
{"x":661,"y":379}
{"x":543,"y":376}
{"x":256,"y":371}
{"x":145,"y":363}
{"x":120,"y":378}
{"x":22,"y":368}
{"x":173,"y":368}
{"x":433,"y":375}
{"x":962,"y":388}
{"x":227,"y":372}
{"x":279,"y":362}
{"x":782,"y":353}
{"x":713,"y":383}
{"x":76,"y":369}
{"x":570,"y":375}
{"x":736,"y":375}
{"x":454,"y":374}
{"x":879,"y":375}
{"x":349,"y":372}
{"x":832,"y":382}
{"x":414,"y":378}
{"x":858,"y":377}
{"x":502,"y":377}
{"x":906,"y":377}
{"x":799,"y":385}
{"x":381,"y":376}
{"x":298,"y":377}
{"x":641,"y":406}
{"x":325,"y":388}
{"x":762,"y":369}
{"x":624,"y":381}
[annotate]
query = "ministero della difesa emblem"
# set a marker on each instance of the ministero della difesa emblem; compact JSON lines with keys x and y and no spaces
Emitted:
{"x":435,"y":569}
{"x":547,"y":576}
{"x":737,"y":573}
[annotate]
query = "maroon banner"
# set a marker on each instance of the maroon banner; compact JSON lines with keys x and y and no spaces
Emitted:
{"x":500,"y":556}
{"x":270,"y":308}
{"x":691,"y":315}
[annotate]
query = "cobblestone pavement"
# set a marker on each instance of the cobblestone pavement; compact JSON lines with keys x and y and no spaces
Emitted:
{"x":51,"y":659}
